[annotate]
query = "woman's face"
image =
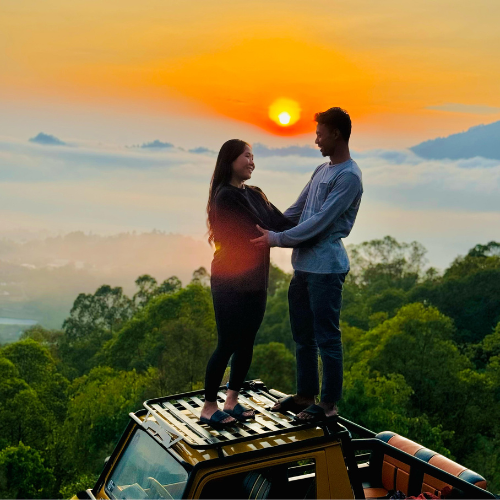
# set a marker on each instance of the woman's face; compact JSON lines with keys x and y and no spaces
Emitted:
{"x":243,"y":166}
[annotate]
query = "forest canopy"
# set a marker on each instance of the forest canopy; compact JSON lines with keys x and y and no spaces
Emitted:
{"x":421,"y":356}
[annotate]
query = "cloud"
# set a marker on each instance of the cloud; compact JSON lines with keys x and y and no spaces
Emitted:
{"x":156,"y":144}
{"x":202,"y":151}
{"x":113,"y":188}
{"x":466,"y":108}
{"x":260,"y":150}
{"x":48,"y":140}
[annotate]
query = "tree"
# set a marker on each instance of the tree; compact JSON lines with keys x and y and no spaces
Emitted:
{"x":97,"y":415}
{"x":51,"y":339}
{"x":24,"y":475}
{"x":382,"y":272}
{"x":155,"y":330}
{"x":147,"y":289}
{"x":411,"y":344}
{"x":275,"y":326}
{"x":201,"y":277}
{"x":384,"y":403}
{"x":274,"y":364}
{"x":93,"y":320}
{"x":104,"y":311}
{"x":38,"y":369}
{"x":277,"y":279}
{"x":387,"y":263}
{"x":489,"y":250}
{"x":170,"y":285}
{"x":467,"y":293}
{"x":389,"y":301}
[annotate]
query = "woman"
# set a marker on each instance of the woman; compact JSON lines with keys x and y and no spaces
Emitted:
{"x":239,"y":277}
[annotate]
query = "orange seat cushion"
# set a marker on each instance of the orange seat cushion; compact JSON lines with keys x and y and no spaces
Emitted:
{"x":375,"y":492}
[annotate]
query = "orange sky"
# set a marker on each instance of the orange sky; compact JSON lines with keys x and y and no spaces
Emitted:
{"x":385,"y":62}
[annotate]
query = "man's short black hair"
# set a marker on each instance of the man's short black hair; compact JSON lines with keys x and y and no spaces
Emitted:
{"x":336,"y":118}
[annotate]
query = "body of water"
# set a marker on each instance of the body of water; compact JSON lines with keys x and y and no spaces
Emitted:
{"x":21,"y":322}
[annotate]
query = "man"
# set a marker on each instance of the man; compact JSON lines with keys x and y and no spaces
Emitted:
{"x":325,"y":211}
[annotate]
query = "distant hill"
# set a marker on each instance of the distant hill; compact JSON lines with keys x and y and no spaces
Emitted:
{"x":483,"y":140}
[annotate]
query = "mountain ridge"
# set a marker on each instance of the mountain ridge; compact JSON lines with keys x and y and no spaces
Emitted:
{"x":480,"y":140}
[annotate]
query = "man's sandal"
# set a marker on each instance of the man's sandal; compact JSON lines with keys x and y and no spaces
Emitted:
{"x":237,"y":413}
{"x":216,"y":420}
{"x":288,"y":404}
{"x":317,"y":415}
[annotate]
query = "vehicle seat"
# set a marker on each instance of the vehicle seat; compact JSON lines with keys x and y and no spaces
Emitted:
{"x":395,"y":475}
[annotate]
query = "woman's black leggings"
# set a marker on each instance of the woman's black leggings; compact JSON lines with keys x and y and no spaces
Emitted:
{"x":238,"y":316}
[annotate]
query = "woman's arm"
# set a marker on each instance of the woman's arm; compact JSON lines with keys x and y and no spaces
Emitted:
{"x":280,"y":222}
{"x":234,"y":221}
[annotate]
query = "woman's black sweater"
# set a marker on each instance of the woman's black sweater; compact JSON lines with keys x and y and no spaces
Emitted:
{"x":238,"y":265}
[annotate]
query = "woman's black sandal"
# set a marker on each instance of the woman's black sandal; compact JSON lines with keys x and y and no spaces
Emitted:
{"x":216,"y":420}
{"x":237,"y":413}
{"x":289,"y":404}
{"x":317,"y":415}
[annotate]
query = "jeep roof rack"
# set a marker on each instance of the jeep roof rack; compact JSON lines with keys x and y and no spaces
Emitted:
{"x":176,"y":417}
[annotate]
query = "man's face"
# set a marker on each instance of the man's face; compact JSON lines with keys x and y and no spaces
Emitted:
{"x":326,"y":139}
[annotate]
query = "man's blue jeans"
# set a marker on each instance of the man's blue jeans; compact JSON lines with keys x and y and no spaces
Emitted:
{"x":315,"y":301}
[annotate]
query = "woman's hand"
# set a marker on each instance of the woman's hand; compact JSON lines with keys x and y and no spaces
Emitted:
{"x":261,"y":241}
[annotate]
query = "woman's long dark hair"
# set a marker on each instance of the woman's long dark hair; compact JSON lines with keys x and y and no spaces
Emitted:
{"x":229,"y":151}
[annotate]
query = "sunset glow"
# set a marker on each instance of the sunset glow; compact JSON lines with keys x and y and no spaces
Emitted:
{"x":396,"y":71}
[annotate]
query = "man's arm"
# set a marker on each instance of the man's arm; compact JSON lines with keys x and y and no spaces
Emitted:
{"x":295,"y":211}
{"x":337,"y":202}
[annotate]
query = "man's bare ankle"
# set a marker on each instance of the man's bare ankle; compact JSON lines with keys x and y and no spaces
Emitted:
{"x":304,"y":399}
{"x":330,"y":408}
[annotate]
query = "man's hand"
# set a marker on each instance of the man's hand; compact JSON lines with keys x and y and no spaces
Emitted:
{"x":261,"y":241}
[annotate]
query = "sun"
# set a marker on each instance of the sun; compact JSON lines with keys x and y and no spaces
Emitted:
{"x":284,"y":112}
{"x":284,"y":118}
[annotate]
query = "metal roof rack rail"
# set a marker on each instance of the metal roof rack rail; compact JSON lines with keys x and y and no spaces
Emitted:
{"x":179,"y":415}
{"x":158,"y":428}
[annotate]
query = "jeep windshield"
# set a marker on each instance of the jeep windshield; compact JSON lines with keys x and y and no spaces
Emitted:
{"x":146,"y":470}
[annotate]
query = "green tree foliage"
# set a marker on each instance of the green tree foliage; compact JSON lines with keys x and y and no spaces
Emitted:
{"x":174,"y":333}
{"x":51,"y":339}
{"x":275,"y":365}
{"x":421,"y":358}
{"x":468,"y":292}
{"x":410,"y":344}
{"x":387,"y":263}
{"x":38,"y":370}
{"x":384,"y":403}
{"x":382,"y":272}
{"x":201,"y":277}
{"x":23,"y":474}
{"x":99,"y":404}
{"x":93,"y":320}
{"x":148,"y":288}
{"x":276,"y":324}
{"x":278,"y":279}
{"x":76,"y":484}
{"x":105,"y":311}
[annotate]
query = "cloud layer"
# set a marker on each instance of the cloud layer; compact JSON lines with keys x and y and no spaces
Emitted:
{"x":466,"y":108}
{"x":449,"y":205}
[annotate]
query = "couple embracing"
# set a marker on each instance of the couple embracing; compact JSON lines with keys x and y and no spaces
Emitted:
{"x":243,"y":225}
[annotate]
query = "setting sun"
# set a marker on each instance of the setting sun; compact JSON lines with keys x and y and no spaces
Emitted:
{"x":284,"y":118}
{"x":284,"y":112}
